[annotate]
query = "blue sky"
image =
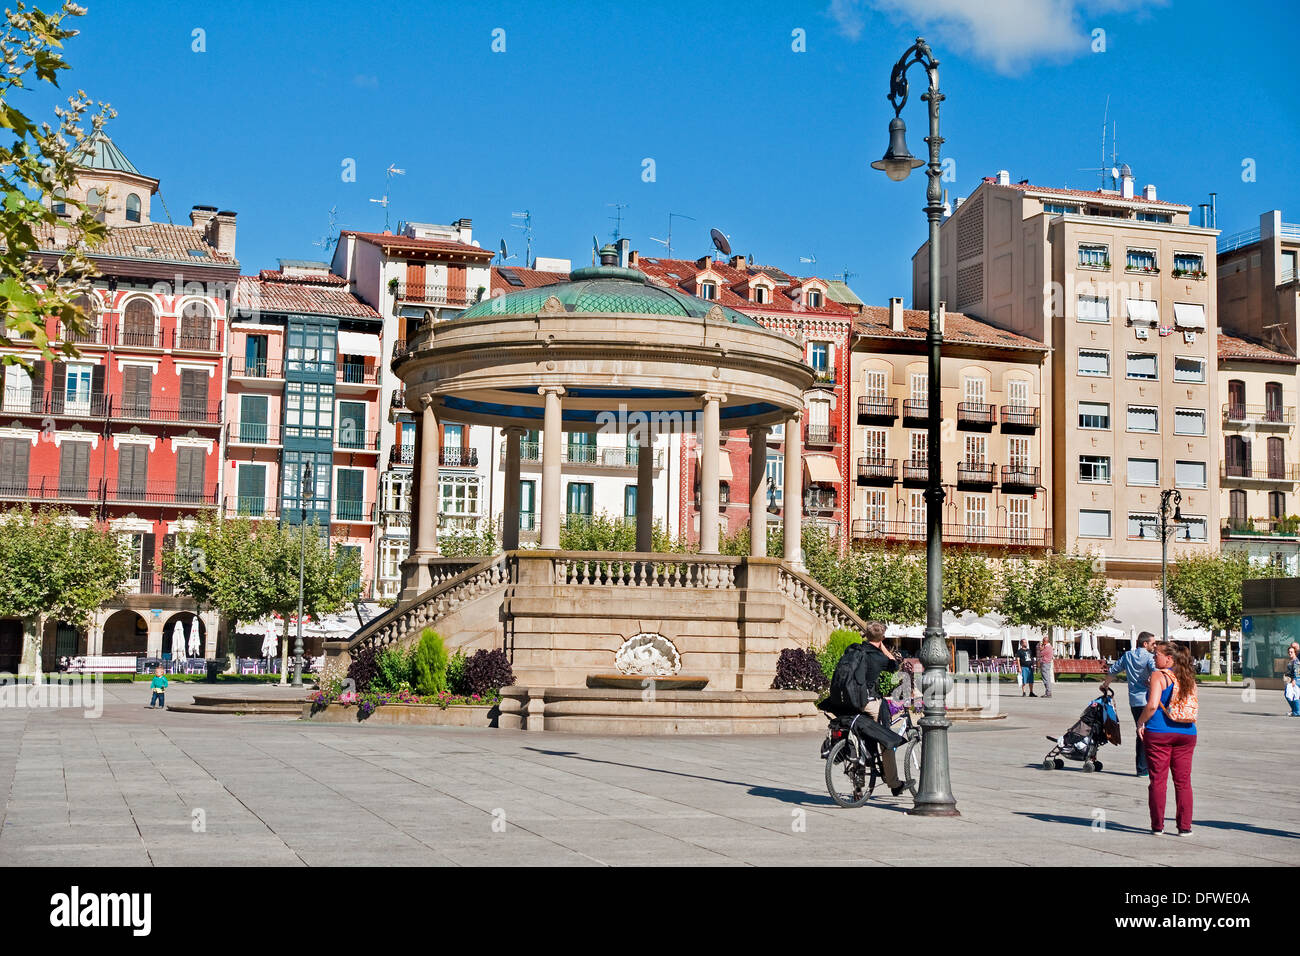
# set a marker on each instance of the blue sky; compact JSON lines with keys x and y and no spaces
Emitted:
{"x":770,"y":145}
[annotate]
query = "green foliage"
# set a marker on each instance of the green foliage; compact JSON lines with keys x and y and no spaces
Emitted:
{"x":970,"y":581}
{"x":430,"y":664}
{"x":1063,"y":590}
{"x":836,"y":644}
{"x":37,"y":161}
{"x":887,"y":682}
{"x":890,"y":585}
{"x":395,"y":667}
{"x":456,"y":677}
{"x":50,"y":566}
{"x":479,"y":543}
{"x":603,"y":532}
{"x":1205,"y":587}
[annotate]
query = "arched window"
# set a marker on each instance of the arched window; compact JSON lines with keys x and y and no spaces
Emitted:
{"x":94,"y":200}
{"x":133,"y":208}
{"x":196,"y":327}
{"x":138,"y":324}
{"x":1273,"y":401}
{"x":58,"y":205}
{"x":86,"y":305}
{"x":1236,"y":400}
{"x":1237,"y":510}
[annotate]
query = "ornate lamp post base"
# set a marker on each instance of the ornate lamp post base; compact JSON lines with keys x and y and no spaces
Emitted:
{"x":935,"y":797}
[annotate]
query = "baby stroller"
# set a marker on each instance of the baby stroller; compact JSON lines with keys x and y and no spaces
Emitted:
{"x":1096,"y":727}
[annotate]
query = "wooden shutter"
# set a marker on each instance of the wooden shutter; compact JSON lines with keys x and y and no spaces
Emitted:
{"x":97,"y":390}
{"x":191,"y":465}
{"x":251,"y":490}
{"x":456,"y":285}
{"x":147,"y":545}
{"x":137,"y":387}
{"x":1276,"y":459}
{"x":58,"y":389}
{"x":39,"y":376}
{"x":15,"y":456}
{"x":132,"y":470}
{"x":1236,"y":398}
{"x":194,"y":394}
{"x":74,"y":468}
{"x":1237,"y":508}
{"x":351,"y":491}
{"x":415,"y":281}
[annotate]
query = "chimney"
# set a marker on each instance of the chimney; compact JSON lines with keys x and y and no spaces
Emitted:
{"x":624,"y":251}
{"x":1126,"y":181}
{"x":220,"y":232}
{"x":704,"y":262}
{"x":1149,"y":192}
{"x":633,"y":260}
{"x":1004,"y":178}
{"x":738,"y":263}
{"x":200,"y":216}
{"x":464,"y":227}
{"x":896,"y":313}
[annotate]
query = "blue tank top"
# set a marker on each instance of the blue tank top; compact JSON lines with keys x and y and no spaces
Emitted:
{"x":1161,"y":724}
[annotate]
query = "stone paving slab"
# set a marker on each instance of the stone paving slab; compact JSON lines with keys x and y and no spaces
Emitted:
{"x":123,"y":788}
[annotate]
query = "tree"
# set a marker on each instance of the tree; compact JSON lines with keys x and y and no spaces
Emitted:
{"x":890,"y":585}
{"x":602,"y":532}
{"x":37,"y":168}
{"x":970,"y":582}
{"x":1062,"y":590}
{"x":248,"y":569}
{"x":1205,"y":588}
{"x":52,"y":568}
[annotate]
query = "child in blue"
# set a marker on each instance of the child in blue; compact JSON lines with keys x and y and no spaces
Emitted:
{"x":159,"y":687}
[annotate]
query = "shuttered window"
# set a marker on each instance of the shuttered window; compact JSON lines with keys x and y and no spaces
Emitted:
{"x":15,"y":457}
{"x":1142,"y":418}
{"x":194,"y":394}
{"x":191,"y":466}
{"x":74,"y":468}
{"x":1189,"y":421}
{"x":1143,"y":471}
{"x":132,"y":470}
{"x":252,"y":490}
{"x":137,"y":386}
{"x":1189,"y":474}
{"x":1094,"y":524}
{"x":1142,"y":365}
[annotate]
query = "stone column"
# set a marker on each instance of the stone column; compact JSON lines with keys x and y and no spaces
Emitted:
{"x":510,"y":510}
{"x":792,"y":494}
{"x":552,"y":456}
{"x":758,"y":491}
{"x":427,"y":524}
{"x":645,"y":491}
{"x":710,"y":449}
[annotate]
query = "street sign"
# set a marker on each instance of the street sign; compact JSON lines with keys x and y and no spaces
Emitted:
{"x":1247,"y":625}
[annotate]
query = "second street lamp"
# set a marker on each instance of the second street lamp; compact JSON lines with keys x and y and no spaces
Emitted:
{"x":934,"y":796}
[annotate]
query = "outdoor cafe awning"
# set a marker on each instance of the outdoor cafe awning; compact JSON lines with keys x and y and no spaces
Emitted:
{"x":822,"y":469}
{"x":358,"y":343}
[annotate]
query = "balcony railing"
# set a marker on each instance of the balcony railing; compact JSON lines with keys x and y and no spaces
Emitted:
{"x":824,"y":377}
{"x":876,"y":409}
{"x":78,"y":406}
{"x":1019,"y":416}
{"x":253,"y":433}
{"x":196,"y":340}
{"x":152,"y":582}
{"x":990,"y":535}
{"x":1259,"y":471}
{"x":1260,"y":528}
{"x":976,"y":473}
{"x":242,"y":367}
{"x":160,"y":492}
{"x":453,"y":456}
{"x":916,"y":471}
{"x":977,"y":414}
{"x":139,"y":338}
{"x":166,"y":410}
{"x":250,"y":506}
{"x":873,"y":469}
{"x":399,"y":349}
{"x":354,"y":373}
{"x":94,"y":333}
{"x":354,"y":511}
{"x":401,"y":455}
{"x":1019,"y":476}
{"x":429,"y":294}
{"x":1257,"y":415}
{"x":356,"y":439}
{"x":50,"y":488}
{"x":916,"y":409}
{"x":820,"y":435}
{"x":819,"y":502}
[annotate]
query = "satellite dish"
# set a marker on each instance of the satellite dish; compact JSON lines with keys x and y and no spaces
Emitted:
{"x":720,"y":242}
{"x":504,"y":253}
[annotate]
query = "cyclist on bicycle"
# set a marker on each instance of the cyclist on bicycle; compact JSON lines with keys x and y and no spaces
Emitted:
{"x":855,"y":687}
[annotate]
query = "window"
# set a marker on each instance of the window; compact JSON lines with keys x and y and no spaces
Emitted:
{"x":132,"y":470}
{"x":15,"y":457}
{"x":1272,"y":401}
{"x":819,"y":358}
{"x":1094,"y":469}
{"x":315,"y":498}
{"x":874,"y":443}
{"x":1142,"y":365}
{"x":350,"y":494}
{"x":94,"y":200}
{"x":977,"y":516}
{"x":527,"y":506}
{"x":1018,"y":519}
{"x":1143,"y":259}
{"x":1189,"y":316}
{"x":1018,"y":453}
{"x":579,"y":499}
{"x":976,"y":448}
{"x":132,"y":208}
{"x":74,"y":468}
{"x":18,"y":388}
{"x":1094,"y":362}
{"x":1094,"y":256}
{"x":1094,"y":524}
{"x":1277,"y":504}
{"x":629,"y":502}
{"x":1144,"y":471}
{"x":1189,"y":474}
{"x":775,"y":476}
{"x":875,"y":512}
{"x":251,"y":486}
{"x":760,"y":294}
{"x":973,"y":390}
{"x":1153,"y":217}
{"x":58,"y":204}
{"x":1188,"y":262}
{"x":392,"y":552}
{"x":814,"y":299}
{"x":309,"y":410}
{"x":397,"y":492}
{"x":1059,"y":209}
{"x":1143,"y":313}
{"x":918,"y":445}
{"x":916,"y":513}
{"x":77,"y":383}
{"x":1143,"y":418}
{"x":196,"y":327}
{"x":1189,"y":421}
{"x":875,"y":387}
{"x":920,"y":387}
{"x":1237,"y":509}
{"x":1018,"y":393}
{"x":352,"y":425}
{"x":1093,"y":308}
{"x":1194,"y":529}
{"x":1141,"y":525}
{"x":458,"y":501}
{"x":708,"y":290}
{"x":1188,"y":368}
{"x":191,"y":471}
{"x":138,"y":323}
{"x":1094,"y":415}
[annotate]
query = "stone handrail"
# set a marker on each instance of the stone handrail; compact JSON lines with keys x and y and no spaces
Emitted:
{"x":455,"y":581}
{"x":637,"y":570}
{"x":820,"y":603}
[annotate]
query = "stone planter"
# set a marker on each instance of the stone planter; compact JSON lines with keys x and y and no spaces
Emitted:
{"x":408,"y":715}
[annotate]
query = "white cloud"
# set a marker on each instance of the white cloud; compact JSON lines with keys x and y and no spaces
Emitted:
{"x":1009,"y":34}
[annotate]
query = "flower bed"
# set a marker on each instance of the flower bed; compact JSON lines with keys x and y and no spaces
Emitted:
{"x":404,"y":707}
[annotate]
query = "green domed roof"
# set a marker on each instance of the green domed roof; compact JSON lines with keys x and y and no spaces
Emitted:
{"x":605,"y":289}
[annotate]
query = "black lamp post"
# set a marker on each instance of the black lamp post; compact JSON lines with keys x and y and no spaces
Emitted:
{"x":934,"y":797}
{"x":306,"y":495}
{"x":1166,"y":526}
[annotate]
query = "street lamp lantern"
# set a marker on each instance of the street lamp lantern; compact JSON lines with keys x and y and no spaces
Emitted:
{"x":898,"y":161}
{"x":934,"y":795}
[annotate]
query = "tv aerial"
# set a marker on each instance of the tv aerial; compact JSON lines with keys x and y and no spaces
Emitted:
{"x":328,"y":241}
{"x":527,"y":227}
{"x":389,"y":173}
{"x":720,"y":242}
{"x":668,"y":243}
{"x":811,"y":260}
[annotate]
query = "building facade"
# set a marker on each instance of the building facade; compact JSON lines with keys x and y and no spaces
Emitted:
{"x":1122,"y":289}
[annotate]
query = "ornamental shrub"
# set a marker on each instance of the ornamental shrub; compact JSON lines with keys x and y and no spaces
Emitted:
{"x":393,"y":668}
{"x":834,"y":649}
{"x":798,"y":669}
{"x":486,"y":672}
{"x":456,"y":681}
{"x":430,"y":664}
{"x":364,"y":667}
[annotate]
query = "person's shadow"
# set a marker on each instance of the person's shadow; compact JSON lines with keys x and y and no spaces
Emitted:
{"x":1125,"y":828}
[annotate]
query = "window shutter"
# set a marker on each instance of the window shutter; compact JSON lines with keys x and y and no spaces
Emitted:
{"x":58,"y":390}
{"x":132,"y":470}
{"x":96,"y":388}
{"x":15,"y":454}
{"x":39,"y":376}
{"x":148,"y":543}
{"x":194,"y":394}
{"x":190,"y":467}
{"x":74,"y":468}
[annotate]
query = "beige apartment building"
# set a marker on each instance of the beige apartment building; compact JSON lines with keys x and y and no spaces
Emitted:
{"x":994,"y":451}
{"x":1121,"y":288}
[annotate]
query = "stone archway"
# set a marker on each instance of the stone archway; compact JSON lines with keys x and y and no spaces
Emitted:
{"x":126,"y":633}
{"x":186,"y":620}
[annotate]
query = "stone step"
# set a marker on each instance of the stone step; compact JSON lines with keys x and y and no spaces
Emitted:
{"x":290,"y":706}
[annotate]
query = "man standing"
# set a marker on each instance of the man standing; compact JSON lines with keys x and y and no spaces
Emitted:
{"x":1045,"y":665}
{"x":1025,"y":658}
{"x":1138,"y":664}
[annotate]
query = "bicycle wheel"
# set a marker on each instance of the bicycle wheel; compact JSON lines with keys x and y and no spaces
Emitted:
{"x":912,"y":765}
{"x":845,"y":780}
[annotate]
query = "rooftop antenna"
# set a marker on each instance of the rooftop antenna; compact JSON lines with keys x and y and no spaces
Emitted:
{"x":618,"y":219}
{"x":328,"y":241}
{"x":389,"y":173}
{"x":845,"y":275}
{"x":720,"y":241}
{"x":595,"y":249}
{"x":527,"y":226}
{"x":503,"y":254}
{"x":811,"y":260}
{"x":1103,"y":168}
{"x":668,"y":243}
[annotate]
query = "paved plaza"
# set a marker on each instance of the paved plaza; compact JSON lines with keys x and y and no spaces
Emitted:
{"x":133,"y":786}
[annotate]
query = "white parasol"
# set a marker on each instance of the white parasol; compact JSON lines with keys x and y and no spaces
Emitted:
{"x":196,"y":645}
{"x":178,"y":641}
{"x":1006,"y":649}
{"x":270,"y":643}
{"x":1132,"y":637}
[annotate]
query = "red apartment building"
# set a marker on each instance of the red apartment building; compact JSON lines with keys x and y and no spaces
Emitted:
{"x":127,"y":433}
{"x":803,"y":308}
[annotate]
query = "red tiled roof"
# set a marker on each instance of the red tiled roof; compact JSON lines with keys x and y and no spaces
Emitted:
{"x":958,"y":329}
{"x":154,"y":242}
{"x":390,"y":243}
{"x":261,"y":295}
{"x":659,"y":270}
{"x":1233,"y":347}
{"x":1094,"y":194}
{"x":531,"y":279}
{"x":316,"y":278}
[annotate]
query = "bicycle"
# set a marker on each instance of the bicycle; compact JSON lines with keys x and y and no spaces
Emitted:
{"x":851,"y":758}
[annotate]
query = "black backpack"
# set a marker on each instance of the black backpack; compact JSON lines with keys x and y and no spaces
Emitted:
{"x":849,"y":691}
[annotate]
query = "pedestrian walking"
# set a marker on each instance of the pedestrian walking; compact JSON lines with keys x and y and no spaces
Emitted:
{"x":1025,"y":657}
{"x":1167,"y":728}
{"x":1291,"y":685}
{"x":159,"y":688}
{"x":1137,"y":664}
{"x":1045,"y":658}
